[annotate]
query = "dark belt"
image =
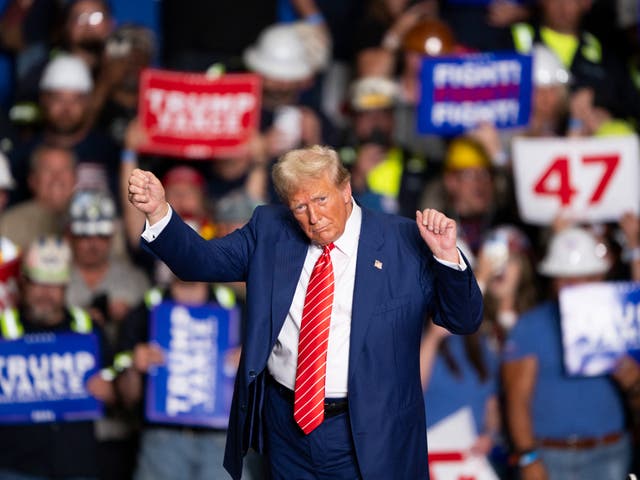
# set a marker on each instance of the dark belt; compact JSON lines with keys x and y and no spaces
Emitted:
{"x":580,"y":443}
{"x":332,"y":406}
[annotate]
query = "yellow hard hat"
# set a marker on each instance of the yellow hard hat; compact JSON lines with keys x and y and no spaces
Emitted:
{"x":465,"y":152}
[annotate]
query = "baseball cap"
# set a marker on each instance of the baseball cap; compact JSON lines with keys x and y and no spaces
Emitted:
{"x":48,"y":261}
{"x":183,"y":174}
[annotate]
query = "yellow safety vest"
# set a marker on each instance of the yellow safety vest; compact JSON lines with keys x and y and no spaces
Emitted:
{"x":565,"y":46}
{"x":12,"y":329}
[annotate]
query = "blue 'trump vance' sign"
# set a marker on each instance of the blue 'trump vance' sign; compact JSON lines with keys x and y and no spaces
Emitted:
{"x":43,"y":378}
{"x":600,"y":323}
{"x":195,"y":384}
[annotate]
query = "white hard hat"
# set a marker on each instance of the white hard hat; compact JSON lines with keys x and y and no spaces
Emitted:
{"x":8,"y":250}
{"x":373,"y":93}
{"x":279,"y":54}
{"x":66,"y":72}
{"x":48,"y":261}
{"x":91,"y":213}
{"x":548,"y":70}
{"x":6,"y":179}
{"x":574,"y":252}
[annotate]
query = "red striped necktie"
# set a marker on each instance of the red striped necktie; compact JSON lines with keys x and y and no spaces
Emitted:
{"x":308,"y":407}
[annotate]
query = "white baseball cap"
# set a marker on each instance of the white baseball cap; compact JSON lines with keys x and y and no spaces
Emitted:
{"x":66,"y":72}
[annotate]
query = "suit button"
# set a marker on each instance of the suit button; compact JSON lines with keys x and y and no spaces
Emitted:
{"x":252,"y":373}
{"x":243,"y":407}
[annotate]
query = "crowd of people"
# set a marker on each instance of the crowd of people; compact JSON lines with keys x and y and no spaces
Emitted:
{"x":341,"y":73}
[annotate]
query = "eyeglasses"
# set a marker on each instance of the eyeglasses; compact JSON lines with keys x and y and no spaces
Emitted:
{"x":90,"y":18}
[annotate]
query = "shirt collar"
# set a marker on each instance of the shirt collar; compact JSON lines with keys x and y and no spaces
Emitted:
{"x":348,"y":241}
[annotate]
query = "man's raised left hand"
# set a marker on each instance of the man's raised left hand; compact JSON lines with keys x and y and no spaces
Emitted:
{"x":439,"y":233}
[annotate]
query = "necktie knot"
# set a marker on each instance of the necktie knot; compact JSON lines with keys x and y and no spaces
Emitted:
{"x":326,"y":250}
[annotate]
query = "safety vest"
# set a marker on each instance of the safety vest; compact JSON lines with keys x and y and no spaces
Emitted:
{"x":386,"y":177}
{"x":224,"y":295}
{"x":525,"y":35}
{"x":11,"y":327}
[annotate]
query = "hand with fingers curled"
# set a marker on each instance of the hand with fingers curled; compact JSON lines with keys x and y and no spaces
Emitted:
{"x":439,"y":232}
{"x":146,"y":193}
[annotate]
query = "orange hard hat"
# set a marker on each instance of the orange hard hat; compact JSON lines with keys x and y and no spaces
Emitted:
{"x":429,"y":37}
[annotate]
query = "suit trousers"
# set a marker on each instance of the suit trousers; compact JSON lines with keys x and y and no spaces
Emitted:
{"x":327,"y":453}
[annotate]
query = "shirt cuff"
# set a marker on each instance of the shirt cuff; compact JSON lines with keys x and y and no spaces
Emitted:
{"x":460,"y":266}
{"x":151,"y":232}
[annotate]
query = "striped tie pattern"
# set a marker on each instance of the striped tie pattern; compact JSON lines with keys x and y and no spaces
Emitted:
{"x":308,"y":406}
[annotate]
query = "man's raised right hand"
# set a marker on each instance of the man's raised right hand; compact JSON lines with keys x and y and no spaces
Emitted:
{"x":146,"y":193}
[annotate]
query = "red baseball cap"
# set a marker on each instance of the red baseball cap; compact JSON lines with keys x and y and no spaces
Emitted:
{"x":183,"y":174}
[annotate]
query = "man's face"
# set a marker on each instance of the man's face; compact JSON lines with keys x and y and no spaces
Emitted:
{"x":277,"y":92}
{"x":91,"y":251}
{"x":470,"y":190}
{"x":549,"y":102}
{"x":321,"y":208}
{"x":185,"y":198}
{"x":53,"y":179}
{"x":562,"y":282}
{"x":44,"y":303}
{"x":65,"y":111}
{"x":564,"y":16}
{"x":374,"y":126}
{"x":87,"y":29}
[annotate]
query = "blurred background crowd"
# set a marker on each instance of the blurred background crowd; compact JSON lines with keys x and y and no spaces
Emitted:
{"x":343,"y":73}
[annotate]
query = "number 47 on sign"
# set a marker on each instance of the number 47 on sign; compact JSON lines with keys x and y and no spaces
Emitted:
{"x":593,"y":179}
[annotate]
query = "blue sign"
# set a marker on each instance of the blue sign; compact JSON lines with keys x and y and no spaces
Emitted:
{"x":600,"y":323}
{"x":459,"y":93}
{"x":43,"y":378}
{"x":195,"y":384}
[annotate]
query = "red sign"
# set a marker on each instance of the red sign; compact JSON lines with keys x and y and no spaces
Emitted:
{"x":197,"y":116}
{"x":9,"y":272}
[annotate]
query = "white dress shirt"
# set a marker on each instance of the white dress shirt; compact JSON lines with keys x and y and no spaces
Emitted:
{"x":283,"y":360}
{"x":284,"y":357}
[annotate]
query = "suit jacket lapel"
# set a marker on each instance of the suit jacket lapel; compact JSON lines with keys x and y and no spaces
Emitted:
{"x":290,"y":253}
{"x":367,"y":284}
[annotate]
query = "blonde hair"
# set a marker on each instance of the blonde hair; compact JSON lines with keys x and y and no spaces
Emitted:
{"x":307,"y":163}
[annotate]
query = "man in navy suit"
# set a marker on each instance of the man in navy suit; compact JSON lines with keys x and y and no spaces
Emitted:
{"x":390,"y":273}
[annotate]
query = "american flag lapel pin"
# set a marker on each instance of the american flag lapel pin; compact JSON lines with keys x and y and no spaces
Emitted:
{"x":378,"y":264}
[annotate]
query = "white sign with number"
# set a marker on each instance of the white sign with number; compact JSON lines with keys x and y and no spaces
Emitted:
{"x":450,"y":441}
{"x":589,"y":179}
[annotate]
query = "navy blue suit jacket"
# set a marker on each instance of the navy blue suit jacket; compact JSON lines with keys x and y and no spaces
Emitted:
{"x":390,"y":305}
